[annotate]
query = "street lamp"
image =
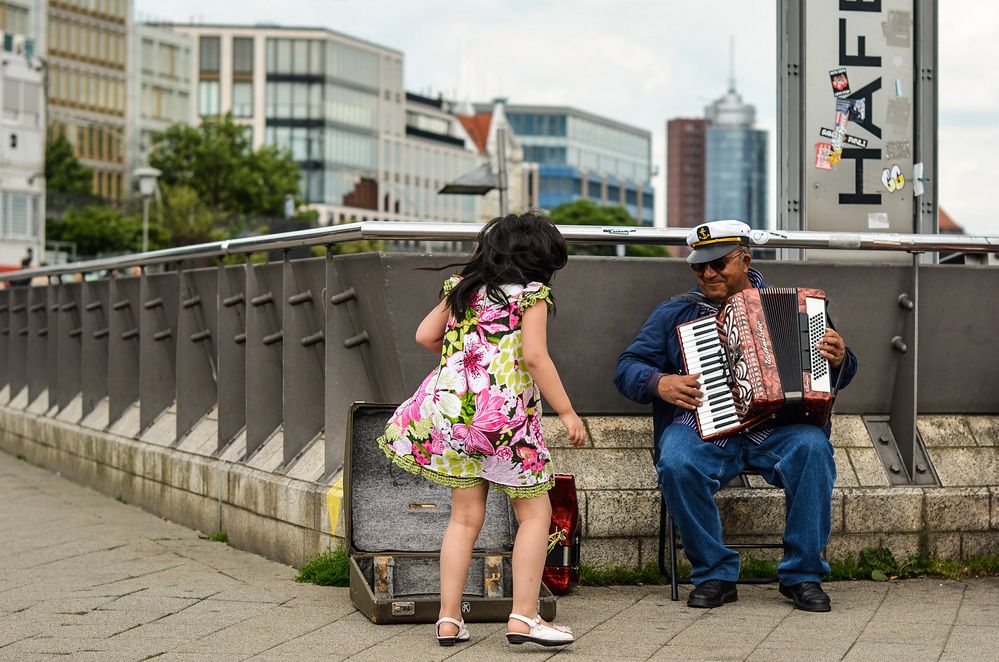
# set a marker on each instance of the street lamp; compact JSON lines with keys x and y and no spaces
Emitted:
{"x":147,"y":189}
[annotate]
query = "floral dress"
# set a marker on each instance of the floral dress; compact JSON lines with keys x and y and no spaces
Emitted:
{"x":477,"y":416}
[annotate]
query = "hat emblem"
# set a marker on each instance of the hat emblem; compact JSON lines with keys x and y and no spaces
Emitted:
{"x":703,"y":233}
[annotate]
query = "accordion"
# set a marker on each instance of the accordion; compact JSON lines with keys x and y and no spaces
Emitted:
{"x":758,"y":361}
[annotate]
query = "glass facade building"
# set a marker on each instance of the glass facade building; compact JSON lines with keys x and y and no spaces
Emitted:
{"x":735,"y":163}
{"x":580,"y":155}
{"x":338,"y":105}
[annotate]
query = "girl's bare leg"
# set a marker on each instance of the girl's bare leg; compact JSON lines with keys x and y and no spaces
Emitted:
{"x":468,"y":510}
{"x":529,"y":552}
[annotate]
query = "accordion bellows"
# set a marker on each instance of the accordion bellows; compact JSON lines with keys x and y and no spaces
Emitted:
{"x":758,"y":361}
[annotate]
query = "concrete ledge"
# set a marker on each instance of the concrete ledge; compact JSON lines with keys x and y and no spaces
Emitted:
{"x":286,"y":518}
{"x":275,"y":516}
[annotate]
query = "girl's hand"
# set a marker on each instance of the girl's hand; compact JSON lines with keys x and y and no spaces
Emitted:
{"x":574,"y":427}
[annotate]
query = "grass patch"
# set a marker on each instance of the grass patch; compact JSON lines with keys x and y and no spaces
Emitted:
{"x":872,"y":563}
{"x":120,"y":499}
{"x":219,"y":536}
{"x":22,"y":457}
{"x":331,"y":568}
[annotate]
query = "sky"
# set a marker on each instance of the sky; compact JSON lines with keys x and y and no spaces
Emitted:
{"x":642,"y":62}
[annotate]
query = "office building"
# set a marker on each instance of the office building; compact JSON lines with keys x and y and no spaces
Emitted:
{"x":685,"y":172}
{"x":581,"y":155}
{"x":86,"y":50}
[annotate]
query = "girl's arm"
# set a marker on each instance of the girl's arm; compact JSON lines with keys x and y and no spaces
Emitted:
{"x":430,"y":333}
{"x":534,"y":337}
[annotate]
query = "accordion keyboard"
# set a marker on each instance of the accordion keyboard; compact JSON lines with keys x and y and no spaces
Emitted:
{"x":702,"y":349}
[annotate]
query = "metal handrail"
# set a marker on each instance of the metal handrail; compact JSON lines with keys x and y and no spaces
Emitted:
{"x":575,"y":234}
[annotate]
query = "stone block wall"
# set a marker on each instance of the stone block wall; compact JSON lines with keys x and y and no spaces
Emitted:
{"x":284,"y":516}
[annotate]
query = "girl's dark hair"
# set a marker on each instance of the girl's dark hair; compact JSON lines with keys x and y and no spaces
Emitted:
{"x":514,"y":250}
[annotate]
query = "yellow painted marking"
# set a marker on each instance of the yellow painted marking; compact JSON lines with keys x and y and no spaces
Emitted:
{"x":334,"y":503}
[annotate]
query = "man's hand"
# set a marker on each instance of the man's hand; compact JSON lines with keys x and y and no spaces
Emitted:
{"x":832,"y":348}
{"x":680,"y":390}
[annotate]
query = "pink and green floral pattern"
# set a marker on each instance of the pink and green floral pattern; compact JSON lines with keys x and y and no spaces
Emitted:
{"x":477,"y":416}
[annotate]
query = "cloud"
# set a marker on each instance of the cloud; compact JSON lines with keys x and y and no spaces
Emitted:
{"x":637,"y":61}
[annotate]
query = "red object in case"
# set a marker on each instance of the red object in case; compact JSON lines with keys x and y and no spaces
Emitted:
{"x":561,"y":573}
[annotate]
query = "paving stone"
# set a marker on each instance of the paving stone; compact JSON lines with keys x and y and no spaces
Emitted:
{"x":867,"y":467}
{"x":985,"y":429}
{"x":945,"y":431}
{"x":896,"y":509}
{"x":849,"y":432}
{"x":615,"y":513}
{"x":957,"y":509}
{"x":620,"y":431}
{"x":972,"y":467}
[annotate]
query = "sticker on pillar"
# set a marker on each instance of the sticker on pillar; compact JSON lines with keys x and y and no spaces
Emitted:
{"x":855,"y":109}
{"x":892,"y":179}
{"x":852,"y":141}
{"x":822,"y":153}
{"x":897,"y":28}
{"x":840,"y":82}
{"x":877,"y":221}
{"x":897,"y":114}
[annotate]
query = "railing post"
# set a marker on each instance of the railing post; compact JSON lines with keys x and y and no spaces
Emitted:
{"x":347,"y":377}
{"x":38,"y":342}
{"x":69,"y":343}
{"x":197,"y":329}
{"x":123,"y":346}
{"x":96,"y":321}
{"x":303,"y":355}
{"x":264,"y":335}
{"x":232,"y":313}
{"x":5,"y":339}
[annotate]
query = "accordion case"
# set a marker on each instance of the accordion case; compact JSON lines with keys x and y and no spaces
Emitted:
{"x":758,"y":361}
{"x":394,"y":522}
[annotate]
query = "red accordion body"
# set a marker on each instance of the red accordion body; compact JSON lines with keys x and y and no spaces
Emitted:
{"x":758,"y":361}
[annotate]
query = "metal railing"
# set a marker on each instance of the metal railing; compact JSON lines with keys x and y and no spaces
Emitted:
{"x":289,"y":345}
{"x":576,"y":234}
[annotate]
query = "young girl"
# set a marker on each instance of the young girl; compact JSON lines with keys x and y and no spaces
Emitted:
{"x":475,"y":421}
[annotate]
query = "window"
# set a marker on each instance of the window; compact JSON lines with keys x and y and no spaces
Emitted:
{"x":148,"y":56}
{"x":208,"y":98}
{"x":11,"y":99}
{"x":209,"y":50}
{"x":242,"y":55}
{"x":13,"y":18}
{"x":19,"y":215}
{"x":242,"y":99}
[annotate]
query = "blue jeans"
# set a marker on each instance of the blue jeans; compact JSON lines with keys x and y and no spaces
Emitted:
{"x":798,"y":458}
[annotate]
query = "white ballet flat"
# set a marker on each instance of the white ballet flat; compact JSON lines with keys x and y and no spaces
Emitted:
{"x":541,"y":633}
{"x":451,"y":640}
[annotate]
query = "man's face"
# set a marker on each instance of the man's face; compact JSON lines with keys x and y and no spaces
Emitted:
{"x":721,"y":278}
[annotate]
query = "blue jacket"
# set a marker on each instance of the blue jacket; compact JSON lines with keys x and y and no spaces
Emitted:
{"x":656,"y":350}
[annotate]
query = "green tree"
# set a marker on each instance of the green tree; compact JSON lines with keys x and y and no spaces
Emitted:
{"x":217,"y":161}
{"x":587,"y":212}
{"x":184,"y":216}
{"x":63,"y":171}
{"x":100,"y":230}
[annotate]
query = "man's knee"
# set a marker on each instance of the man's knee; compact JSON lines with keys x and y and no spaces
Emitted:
{"x":676,"y":462}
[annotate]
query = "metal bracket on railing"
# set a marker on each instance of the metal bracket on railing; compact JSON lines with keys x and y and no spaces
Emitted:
{"x":300,"y":298}
{"x":233,"y":300}
{"x":359,"y":339}
{"x":162,"y":335}
{"x":153,"y":303}
{"x":101,"y":333}
{"x":343,"y":297}
{"x":264,"y":298}
{"x":201,"y":335}
{"x":131,"y":333}
{"x":93,"y":305}
{"x":119,"y":305}
{"x":312,"y":339}
{"x":190,"y":303}
{"x":239,"y":338}
{"x":277,"y":336}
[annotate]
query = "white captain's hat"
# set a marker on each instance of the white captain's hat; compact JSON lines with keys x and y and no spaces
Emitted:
{"x":716,"y":239}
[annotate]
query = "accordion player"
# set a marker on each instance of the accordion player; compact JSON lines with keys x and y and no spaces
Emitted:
{"x":758,"y":361}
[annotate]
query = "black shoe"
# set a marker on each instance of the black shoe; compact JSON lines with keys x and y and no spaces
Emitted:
{"x":807,"y":596}
{"x":712,"y":593}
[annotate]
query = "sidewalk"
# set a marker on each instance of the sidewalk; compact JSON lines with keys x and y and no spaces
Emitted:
{"x":88,"y":578}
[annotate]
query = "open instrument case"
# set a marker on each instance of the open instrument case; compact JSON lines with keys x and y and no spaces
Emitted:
{"x":394,"y":522}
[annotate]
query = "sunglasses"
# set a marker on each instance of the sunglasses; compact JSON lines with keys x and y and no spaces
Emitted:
{"x":718,"y":264}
